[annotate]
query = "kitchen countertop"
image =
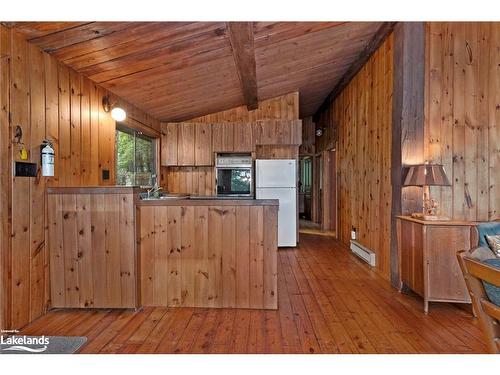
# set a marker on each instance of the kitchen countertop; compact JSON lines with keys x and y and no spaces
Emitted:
{"x":192,"y":201}
{"x":95,"y":190}
{"x":209,"y":201}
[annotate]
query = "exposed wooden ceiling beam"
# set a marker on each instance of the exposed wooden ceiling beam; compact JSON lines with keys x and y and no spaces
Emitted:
{"x":381,"y":34}
{"x":242,"y":43}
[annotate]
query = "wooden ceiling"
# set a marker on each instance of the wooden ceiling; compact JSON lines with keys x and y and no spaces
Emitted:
{"x":180,"y":70}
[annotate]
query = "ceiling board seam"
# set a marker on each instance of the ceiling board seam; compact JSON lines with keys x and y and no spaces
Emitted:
{"x":33,"y":40}
{"x":160,"y":66}
{"x":141,"y":24}
{"x":138,"y":54}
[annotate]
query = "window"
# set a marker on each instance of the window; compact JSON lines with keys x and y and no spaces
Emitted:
{"x":135,"y":158}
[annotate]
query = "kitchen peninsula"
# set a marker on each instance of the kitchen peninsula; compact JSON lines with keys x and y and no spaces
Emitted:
{"x":208,"y":253}
{"x":109,"y":249}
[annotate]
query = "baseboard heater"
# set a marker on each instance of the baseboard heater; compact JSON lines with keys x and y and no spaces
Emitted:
{"x":363,"y":252}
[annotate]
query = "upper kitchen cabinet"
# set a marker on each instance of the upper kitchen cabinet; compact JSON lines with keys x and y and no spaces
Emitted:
{"x":185,"y":145}
{"x":193,"y":144}
{"x":273,"y":132}
{"x":203,"y":145}
{"x":169,"y":144}
{"x":223,"y":137}
{"x":243,"y":140}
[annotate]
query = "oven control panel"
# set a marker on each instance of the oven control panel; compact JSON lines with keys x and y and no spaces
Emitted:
{"x":228,"y":161}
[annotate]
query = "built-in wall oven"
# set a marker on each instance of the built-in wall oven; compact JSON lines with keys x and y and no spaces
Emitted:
{"x":233,"y":175}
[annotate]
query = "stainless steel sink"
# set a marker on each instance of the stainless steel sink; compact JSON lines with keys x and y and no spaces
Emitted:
{"x":215,"y":197}
{"x":166,"y":197}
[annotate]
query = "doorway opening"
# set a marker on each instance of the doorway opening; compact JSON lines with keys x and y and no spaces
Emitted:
{"x":305,"y":187}
{"x":318,"y":193}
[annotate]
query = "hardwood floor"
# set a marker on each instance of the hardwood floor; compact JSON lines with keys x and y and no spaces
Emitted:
{"x":310,"y":227}
{"x":330,"y":302}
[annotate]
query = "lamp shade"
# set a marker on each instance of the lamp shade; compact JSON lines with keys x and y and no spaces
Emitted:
{"x":426,"y":175}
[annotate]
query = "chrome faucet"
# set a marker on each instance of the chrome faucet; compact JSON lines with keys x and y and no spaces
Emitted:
{"x":155,"y":189}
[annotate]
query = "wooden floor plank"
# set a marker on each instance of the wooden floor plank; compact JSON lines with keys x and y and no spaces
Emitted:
{"x":273,"y":343}
{"x":257,"y":332}
{"x":191,"y":332}
{"x":329,"y":302}
{"x":171,"y":337}
{"x":207,"y":333}
{"x":153,"y":340}
{"x":241,"y":331}
{"x":112,"y":338}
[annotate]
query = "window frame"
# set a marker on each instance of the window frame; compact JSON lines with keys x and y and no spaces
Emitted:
{"x":127,"y":128}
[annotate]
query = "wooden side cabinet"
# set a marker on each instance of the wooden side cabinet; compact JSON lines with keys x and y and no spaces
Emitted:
{"x":427,"y":258}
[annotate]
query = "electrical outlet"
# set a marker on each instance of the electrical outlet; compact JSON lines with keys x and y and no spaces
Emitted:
{"x":105,"y":174}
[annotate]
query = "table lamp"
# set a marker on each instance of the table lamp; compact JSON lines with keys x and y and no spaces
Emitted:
{"x":426,"y":175}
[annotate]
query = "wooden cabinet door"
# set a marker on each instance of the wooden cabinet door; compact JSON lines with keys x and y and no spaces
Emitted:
{"x":277,"y":132}
{"x":445,"y":279}
{"x":243,"y":137}
{"x":203,"y":145}
{"x":169,"y":144}
{"x":185,"y":137}
{"x":223,"y":137}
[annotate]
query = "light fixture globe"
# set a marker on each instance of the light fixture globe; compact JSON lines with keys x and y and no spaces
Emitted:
{"x":118,"y":114}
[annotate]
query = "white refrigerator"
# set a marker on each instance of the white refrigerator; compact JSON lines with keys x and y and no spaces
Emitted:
{"x":277,"y":179}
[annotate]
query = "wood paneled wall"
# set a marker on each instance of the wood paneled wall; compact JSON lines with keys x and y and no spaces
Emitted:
{"x":285,"y":107}
{"x":463,"y":116}
{"x":308,"y":136}
{"x":47,"y":99}
{"x":5,"y":179}
{"x":361,"y":116}
{"x":190,"y":180}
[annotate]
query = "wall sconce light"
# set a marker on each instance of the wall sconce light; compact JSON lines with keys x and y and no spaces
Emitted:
{"x":117,"y":113}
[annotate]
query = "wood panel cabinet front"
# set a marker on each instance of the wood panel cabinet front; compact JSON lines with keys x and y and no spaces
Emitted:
{"x":208,"y":256}
{"x":169,"y":144}
{"x":186,"y":141}
{"x":443,"y":271}
{"x":223,"y":137}
{"x":92,"y":250}
{"x":193,"y":144}
{"x":203,"y":155}
{"x":243,"y":140}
